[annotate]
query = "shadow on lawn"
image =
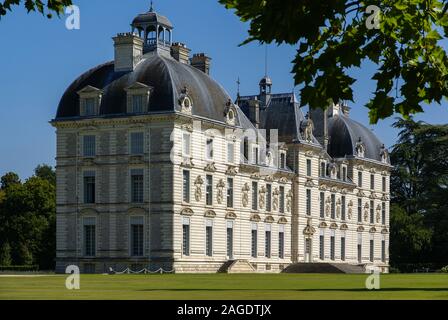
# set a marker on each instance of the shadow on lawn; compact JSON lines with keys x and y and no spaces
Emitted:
{"x":308,"y":290}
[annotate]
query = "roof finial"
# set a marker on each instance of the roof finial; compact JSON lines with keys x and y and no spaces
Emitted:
{"x":266,"y":61}
{"x":151,"y":9}
{"x":238,"y":82}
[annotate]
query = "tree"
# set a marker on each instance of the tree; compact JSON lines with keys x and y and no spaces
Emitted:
{"x":48,"y":9}
{"x":45,"y":172}
{"x":28,"y":221}
{"x":5,"y":254}
{"x":419,"y":184}
{"x":9,"y":179}
{"x":402,"y":39}
{"x":410,"y":238}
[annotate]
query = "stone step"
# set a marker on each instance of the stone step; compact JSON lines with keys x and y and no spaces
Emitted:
{"x":324,"y":268}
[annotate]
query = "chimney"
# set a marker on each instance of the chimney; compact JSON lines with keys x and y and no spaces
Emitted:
{"x":180,"y":52}
{"x":346,"y":110}
{"x":254,"y":112}
{"x":320,"y":121}
{"x":128,"y":51}
{"x":202,"y":62}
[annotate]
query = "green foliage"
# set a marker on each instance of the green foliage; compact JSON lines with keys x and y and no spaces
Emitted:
{"x":9,"y":179}
{"x":333,"y":37}
{"x":408,"y":234}
{"x":47,"y":8}
{"x":46,"y":172}
{"x":28,"y":219}
{"x":444,"y":269}
{"x":419,"y":184}
{"x":5,"y":254}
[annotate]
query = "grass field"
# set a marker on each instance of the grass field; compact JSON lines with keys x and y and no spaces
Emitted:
{"x":224,"y":286}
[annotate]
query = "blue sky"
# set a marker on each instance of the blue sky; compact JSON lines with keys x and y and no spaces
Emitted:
{"x":39,"y":58}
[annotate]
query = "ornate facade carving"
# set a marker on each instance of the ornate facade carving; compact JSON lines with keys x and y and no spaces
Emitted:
{"x":262,"y":197}
{"x":245,"y":197}
{"x":220,"y":194}
{"x":275,"y":195}
{"x":198,"y":188}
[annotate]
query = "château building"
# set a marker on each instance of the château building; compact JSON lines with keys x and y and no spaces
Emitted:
{"x":158,"y":167}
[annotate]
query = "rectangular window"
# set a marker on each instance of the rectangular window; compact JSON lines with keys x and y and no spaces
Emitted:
{"x":209,"y":238}
{"x":282,"y":160}
{"x":281,"y":245}
{"x":186,"y":144}
{"x":137,"y":185}
{"x":359,"y":247}
{"x":137,"y":104}
{"x":254,"y":196}
{"x":268,"y":243}
{"x":322,"y":204}
{"x":343,"y":208}
{"x":89,"y":107}
{"x":384,"y":184}
{"x":383,"y":250}
{"x":209,"y":149}
{"x":383,"y":213}
{"x":282,"y":199}
{"x":343,"y":248}
{"x":89,"y":237}
{"x":89,"y":146}
{"x":372,"y":181}
{"x":308,"y":202}
{"x":186,"y":237}
{"x":332,"y":247}
{"x":137,"y":143}
{"x":246,"y":149}
{"x":268,"y":197}
{"x":344,"y":173}
{"x":229,"y":192}
{"x":333,"y":206}
{"x":322,"y":247}
{"x":230,"y":152}
{"x":372,"y":248}
{"x":89,"y":187}
{"x":360,"y":179}
{"x":372,"y":212}
{"x":137,"y":236}
{"x":209,"y":190}
{"x":229,"y":239}
{"x":254,"y":242}
{"x":323,"y":169}
{"x":308,"y":167}
{"x":359,"y":210}
{"x":186,"y":186}
{"x":255,"y":155}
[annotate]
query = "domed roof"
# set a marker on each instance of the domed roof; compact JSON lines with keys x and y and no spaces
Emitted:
{"x":152,"y":17}
{"x":167,"y":78}
{"x":344,"y":134}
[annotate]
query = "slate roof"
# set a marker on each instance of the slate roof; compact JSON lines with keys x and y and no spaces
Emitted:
{"x":345,"y":132}
{"x":152,"y":17}
{"x":166,"y":76}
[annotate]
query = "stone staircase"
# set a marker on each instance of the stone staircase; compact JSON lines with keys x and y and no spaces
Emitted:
{"x":323,"y":268}
{"x":237,"y":266}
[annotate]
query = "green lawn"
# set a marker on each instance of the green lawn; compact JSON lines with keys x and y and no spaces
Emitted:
{"x":224,"y":286}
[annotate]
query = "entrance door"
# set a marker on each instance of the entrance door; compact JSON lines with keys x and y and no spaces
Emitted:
{"x":308,"y":250}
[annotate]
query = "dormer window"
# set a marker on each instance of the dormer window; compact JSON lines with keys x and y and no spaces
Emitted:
{"x":138,"y":98}
{"x":137,"y":104}
{"x":90,"y":101}
{"x":185,"y":101}
{"x":230,"y":112}
{"x":283,"y":160}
